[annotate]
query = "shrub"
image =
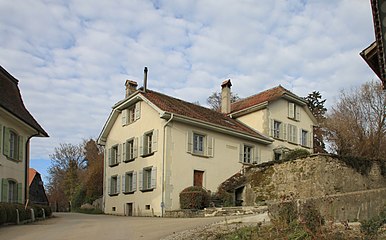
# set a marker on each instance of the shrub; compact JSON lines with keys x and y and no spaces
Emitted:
{"x":194,"y":198}
{"x":222,"y":199}
{"x":370,"y":228}
{"x":3,"y":214}
{"x":311,"y":217}
{"x":295,"y":154}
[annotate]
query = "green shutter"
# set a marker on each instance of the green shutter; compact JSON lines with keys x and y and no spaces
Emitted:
{"x":1,"y":138}
{"x":20,"y":193}
{"x":6,"y":141}
{"x":4,"y":190}
{"x":21,"y":148}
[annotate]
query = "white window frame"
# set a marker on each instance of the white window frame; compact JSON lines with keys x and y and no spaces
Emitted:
{"x":292,"y":133}
{"x":304,"y":138}
{"x":115,"y":155}
{"x":249,"y":154}
{"x":129,"y":182}
{"x":147,"y":179}
{"x":200,"y":144}
{"x":149,"y":143}
{"x":114,"y":185}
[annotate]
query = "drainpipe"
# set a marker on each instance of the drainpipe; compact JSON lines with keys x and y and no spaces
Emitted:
{"x":163,"y":165}
{"x":26,"y":152}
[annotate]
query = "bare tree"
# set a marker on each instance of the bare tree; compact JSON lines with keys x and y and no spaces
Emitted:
{"x":356,"y":125}
{"x":92,"y":180}
{"x":214,"y":100}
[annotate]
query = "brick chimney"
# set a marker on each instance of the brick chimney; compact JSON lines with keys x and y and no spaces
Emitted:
{"x":131,"y":87}
{"x":226,"y":96}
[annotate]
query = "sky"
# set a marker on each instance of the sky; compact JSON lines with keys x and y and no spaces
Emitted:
{"x":72,"y":57}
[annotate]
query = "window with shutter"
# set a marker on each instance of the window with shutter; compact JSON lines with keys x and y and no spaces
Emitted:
{"x":114,"y":155}
{"x":147,"y":177}
{"x":291,"y":110}
{"x":137,"y":114}
{"x":6,"y":143}
{"x":248,"y":154}
{"x":124,"y":117}
{"x":149,"y":143}
{"x":19,"y":193}
{"x":210,"y":146}
{"x":292,"y":133}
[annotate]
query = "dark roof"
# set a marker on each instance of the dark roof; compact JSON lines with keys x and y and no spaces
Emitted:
{"x":10,"y":100}
{"x":266,"y":96}
{"x":194,"y":111}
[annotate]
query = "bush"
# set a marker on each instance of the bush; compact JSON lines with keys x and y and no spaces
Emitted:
{"x":311,"y":217}
{"x":295,"y":154}
{"x":3,"y":214}
{"x":370,"y":228}
{"x":194,"y":198}
{"x":222,"y":199}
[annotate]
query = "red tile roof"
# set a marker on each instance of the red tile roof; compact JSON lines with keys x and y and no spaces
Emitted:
{"x":266,"y":96}
{"x":10,"y":99}
{"x":194,"y":111}
{"x":31,"y":175}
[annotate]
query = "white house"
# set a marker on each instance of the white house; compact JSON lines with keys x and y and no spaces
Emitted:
{"x":17,"y":127}
{"x":157,"y":145}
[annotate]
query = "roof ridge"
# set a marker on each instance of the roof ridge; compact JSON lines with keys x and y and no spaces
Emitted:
{"x":260,"y":93}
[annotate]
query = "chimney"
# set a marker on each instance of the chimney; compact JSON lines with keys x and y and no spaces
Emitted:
{"x":145,"y":79}
{"x":131,"y":87}
{"x":226,"y":96}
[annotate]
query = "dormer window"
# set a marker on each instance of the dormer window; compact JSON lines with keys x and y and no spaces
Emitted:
{"x":131,"y":114}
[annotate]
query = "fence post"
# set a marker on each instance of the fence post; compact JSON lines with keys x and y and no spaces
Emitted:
{"x":17,"y":217}
{"x":32,"y":215}
{"x":44,"y":213}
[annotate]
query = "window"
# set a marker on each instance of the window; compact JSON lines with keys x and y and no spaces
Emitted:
{"x":114,"y":155}
{"x":200,"y":144}
{"x":113,"y":185}
{"x":131,"y":114}
{"x":130,"y":150}
{"x":278,"y":129}
{"x":129,"y":182}
{"x":147,"y":178}
{"x":292,"y":133}
{"x":248,"y":154}
{"x":149,"y":143}
{"x":293,"y":111}
{"x":13,"y":144}
{"x":304,"y":138}
{"x":11,"y":191}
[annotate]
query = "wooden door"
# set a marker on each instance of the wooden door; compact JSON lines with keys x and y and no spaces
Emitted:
{"x":198,"y":178}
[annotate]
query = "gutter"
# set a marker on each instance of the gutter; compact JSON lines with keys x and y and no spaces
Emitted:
{"x":26,"y":152}
{"x":163,"y":164}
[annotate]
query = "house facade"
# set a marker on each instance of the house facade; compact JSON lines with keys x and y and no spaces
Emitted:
{"x":17,"y":127}
{"x":157,"y":145}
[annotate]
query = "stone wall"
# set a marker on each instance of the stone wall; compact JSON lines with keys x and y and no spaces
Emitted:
{"x":338,"y":190}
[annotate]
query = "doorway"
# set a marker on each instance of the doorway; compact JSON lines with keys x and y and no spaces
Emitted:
{"x":129,"y":209}
{"x":239,"y":196}
{"x":198,"y":178}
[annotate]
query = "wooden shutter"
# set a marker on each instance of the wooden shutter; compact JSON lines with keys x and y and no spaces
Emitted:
{"x":134,"y":182}
{"x":141,"y":145}
{"x":119,"y":153}
{"x":135,"y":147}
{"x":123,"y":183}
{"x":256,"y":155}
{"x":21,"y":147}
{"x":310,"y":139}
{"x":140,"y":179}
{"x":124,"y":117}
{"x":1,"y":139}
{"x":271,"y":127}
{"x":20,"y":193}
{"x":110,"y":163}
{"x":109,"y":185}
{"x":137,"y":113}
{"x":4,"y":190}
{"x":210,"y":146}
{"x":6,"y":142}
{"x":155,"y":141}
{"x":297,"y":112}
{"x":241,"y":153}
{"x":124,"y":151}
{"x":291,"y":110}
{"x":118,"y":184}
{"x":153,"y":177}
{"x":189,"y":141}
{"x":284,"y":130}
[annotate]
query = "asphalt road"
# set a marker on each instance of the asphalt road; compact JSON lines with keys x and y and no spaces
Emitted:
{"x":68,"y":226}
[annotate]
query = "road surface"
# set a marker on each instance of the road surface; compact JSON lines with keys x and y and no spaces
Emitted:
{"x":68,"y":226}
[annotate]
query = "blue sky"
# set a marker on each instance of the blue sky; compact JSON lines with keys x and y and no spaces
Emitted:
{"x":73,"y":57}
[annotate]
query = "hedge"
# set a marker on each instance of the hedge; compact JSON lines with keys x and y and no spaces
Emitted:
{"x":194,"y":198}
{"x":8,"y":213}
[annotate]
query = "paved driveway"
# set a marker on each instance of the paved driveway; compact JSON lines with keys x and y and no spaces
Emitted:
{"x":66,"y":226}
